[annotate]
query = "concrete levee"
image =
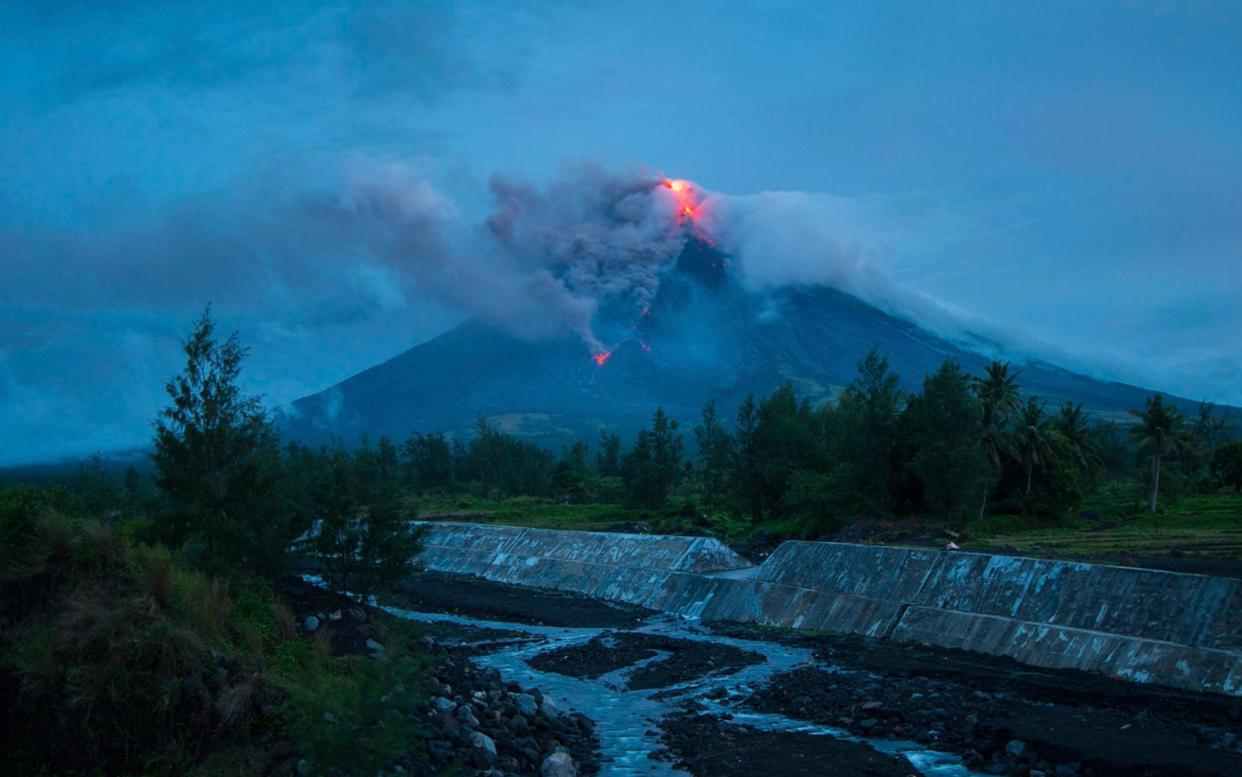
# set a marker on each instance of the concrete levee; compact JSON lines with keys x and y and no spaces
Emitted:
{"x":1143,"y":625}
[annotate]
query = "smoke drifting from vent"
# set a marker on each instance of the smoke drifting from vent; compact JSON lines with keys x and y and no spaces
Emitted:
{"x":587,"y":253}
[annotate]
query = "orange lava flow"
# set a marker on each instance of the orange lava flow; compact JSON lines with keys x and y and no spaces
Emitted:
{"x":601,"y":357}
{"x":688,"y":205}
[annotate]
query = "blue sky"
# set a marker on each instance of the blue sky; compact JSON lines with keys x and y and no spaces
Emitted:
{"x":1069,"y":173}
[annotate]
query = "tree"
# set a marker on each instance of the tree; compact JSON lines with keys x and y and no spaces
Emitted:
{"x":998,"y":390}
{"x":1071,"y":422}
{"x":653,"y":466}
{"x":999,"y":395}
{"x":785,"y":441}
{"x":216,"y":457}
{"x":1160,"y":432}
{"x":716,"y":450}
{"x":1033,"y":441}
{"x":996,"y":442}
{"x":1227,"y":465}
{"x":364,"y":544}
{"x":747,"y":481}
{"x":944,"y":424}
{"x":864,"y":436}
{"x":608,"y":459}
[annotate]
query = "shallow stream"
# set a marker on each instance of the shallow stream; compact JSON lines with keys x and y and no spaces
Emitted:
{"x":628,"y":721}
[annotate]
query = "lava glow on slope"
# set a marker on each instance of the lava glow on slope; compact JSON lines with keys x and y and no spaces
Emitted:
{"x":687,"y":203}
{"x":688,"y":206}
{"x":683,"y":194}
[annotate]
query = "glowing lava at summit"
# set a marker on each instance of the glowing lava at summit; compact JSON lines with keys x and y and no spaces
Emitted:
{"x":687,"y":204}
{"x":601,"y":357}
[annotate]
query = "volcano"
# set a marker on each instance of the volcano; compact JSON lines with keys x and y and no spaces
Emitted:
{"x":705,"y":337}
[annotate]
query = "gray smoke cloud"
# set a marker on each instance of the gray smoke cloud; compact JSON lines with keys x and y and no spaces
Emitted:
{"x":606,"y":237}
{"x":591,"y":245}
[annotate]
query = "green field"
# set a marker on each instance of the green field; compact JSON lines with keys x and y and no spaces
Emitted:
{"x":1110,"y":525}
{"x":1204,"y":526}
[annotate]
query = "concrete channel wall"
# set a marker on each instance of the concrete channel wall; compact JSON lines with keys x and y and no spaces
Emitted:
{"x":1138,"y":624}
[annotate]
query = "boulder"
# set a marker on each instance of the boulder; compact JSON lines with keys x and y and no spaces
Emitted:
{"x":525,"y":703}
{"x":558,"y":765}
{"x":311,"y":624}
{"x":482,"y":750}
{"x":465,"y":714}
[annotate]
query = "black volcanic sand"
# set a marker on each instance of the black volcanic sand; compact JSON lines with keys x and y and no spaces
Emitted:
{"x":685,"y":660}
{"x":463,"y":595}
{"x":709,"y":746}
{"x":1004,"y":717}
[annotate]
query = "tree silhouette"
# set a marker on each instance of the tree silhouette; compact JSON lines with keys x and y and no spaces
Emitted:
{"x":1160,"y":431}
{"x":1033,"y":440}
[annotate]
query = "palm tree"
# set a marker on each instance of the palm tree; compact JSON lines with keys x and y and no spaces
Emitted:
{"x":1033,"y":438}
{"x":998,"y":389}
{"x":999,"y":393}
{"x":996,"y":442}
{"x":1160,"y":431}
{"x":1071,"y":422}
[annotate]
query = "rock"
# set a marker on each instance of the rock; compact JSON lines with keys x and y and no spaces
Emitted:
{"x":482,"y":750}
{"x":310,"y":624}
{"x":1019,"y":750}
{"x":466,"y":716}
{"x":304,"y":767}
{"x":335,"y":615}
{"x":374,"y":647}
{"x":558,"y":765}
{"x":358,"y":615}
{"x":549,"y":708}
{"x":525,"y":703}
{"x":442,"y":704}
{"x":971,"y":759}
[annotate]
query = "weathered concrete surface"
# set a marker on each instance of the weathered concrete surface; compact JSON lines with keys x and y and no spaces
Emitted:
{"x":1143,"y":625}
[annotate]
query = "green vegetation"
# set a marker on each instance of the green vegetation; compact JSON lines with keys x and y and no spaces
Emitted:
{"x":148,"y":665}
{"x":139,"y":630}
{"x":972,"y":455}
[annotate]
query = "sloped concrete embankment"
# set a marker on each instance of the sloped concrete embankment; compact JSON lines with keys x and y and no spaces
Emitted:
{"x":1144,"y":625}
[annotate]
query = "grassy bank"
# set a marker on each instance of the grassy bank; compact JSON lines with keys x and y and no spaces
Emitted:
{"x":116,"y":657}
{"x":1202,"y":526}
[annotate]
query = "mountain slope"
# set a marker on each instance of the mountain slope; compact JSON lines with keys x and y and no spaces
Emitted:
{"x":704,"y":338}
